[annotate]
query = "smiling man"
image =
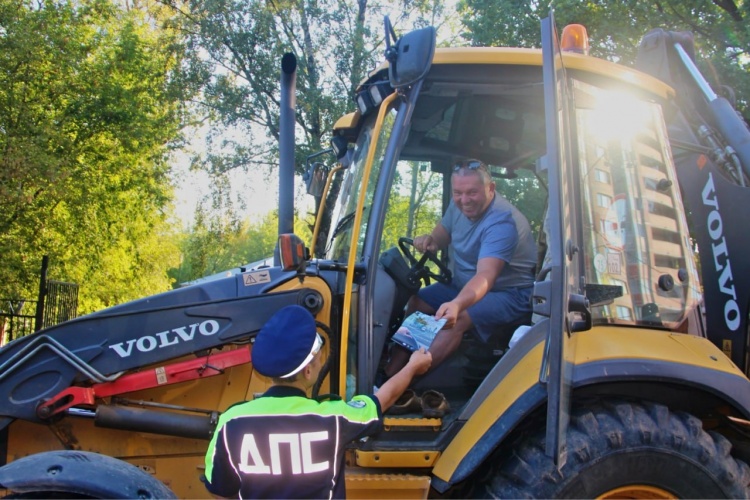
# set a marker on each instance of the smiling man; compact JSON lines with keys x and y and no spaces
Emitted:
{"x":492,"y":253}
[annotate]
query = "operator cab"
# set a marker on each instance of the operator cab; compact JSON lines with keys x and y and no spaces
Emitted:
{"x":629,"y":231}
{"x":490,"y":113}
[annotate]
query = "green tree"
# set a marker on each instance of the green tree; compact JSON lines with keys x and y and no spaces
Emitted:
{"x":336,"y":43}
{"x":414,"y":206}
{"x":721,"y":29}
{"x":213,"y":246}
{"x":526,"y":192}
{"x":90,"y":106}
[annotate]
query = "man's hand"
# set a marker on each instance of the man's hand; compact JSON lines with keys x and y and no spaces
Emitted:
{"x":436,"y":240}
{"x":420,"y":361}
{"x":448,"y":311}
{"x":426,"y":243}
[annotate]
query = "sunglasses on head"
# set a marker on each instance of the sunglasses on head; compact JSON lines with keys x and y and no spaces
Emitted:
{"x":469,"y":164}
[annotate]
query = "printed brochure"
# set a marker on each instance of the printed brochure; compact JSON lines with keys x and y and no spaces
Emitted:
{"x":418,"y":330}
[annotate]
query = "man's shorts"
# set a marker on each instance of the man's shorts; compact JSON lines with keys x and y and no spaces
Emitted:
{"x":494,"y":310}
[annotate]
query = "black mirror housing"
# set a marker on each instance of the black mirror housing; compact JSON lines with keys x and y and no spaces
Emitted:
{"x":411,"y":57}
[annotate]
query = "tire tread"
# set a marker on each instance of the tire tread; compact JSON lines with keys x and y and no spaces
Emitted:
{"x":611,"y":427}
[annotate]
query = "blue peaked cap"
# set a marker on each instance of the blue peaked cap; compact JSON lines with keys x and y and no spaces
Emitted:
{"x":284,"y":341}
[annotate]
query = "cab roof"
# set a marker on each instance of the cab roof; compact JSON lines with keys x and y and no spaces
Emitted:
{"x":533,"y":57}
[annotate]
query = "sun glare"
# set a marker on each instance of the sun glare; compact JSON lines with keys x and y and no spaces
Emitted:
{"x":617,"y":115}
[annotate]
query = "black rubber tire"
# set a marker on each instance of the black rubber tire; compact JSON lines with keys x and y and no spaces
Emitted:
{"x":45,"y":495}
{"x":621,"y":444}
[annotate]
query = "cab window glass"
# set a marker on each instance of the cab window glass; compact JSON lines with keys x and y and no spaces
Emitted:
{"x":631,"y":226}
{"x":414,"y":206}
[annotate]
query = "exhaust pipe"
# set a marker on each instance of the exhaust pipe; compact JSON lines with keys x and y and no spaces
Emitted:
{"x":286,"y":143}
{"x":156,"y":422}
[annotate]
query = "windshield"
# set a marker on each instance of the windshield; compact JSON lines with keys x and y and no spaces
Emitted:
{"x":346,"y":203}
{"x":640,"y":267}
{"x":345,"y":221}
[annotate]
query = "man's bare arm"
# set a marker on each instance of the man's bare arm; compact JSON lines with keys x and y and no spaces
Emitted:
{"x":488,"y":269}
{"x":389,"y":392}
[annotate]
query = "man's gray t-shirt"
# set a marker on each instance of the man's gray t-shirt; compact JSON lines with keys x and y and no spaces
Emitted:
{"x":502,"y":232}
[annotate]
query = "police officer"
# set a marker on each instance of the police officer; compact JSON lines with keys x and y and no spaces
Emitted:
{"x":284,"y":444}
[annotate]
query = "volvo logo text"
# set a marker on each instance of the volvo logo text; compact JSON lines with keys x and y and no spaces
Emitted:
{"x":160,"y":340}
{"x":721,"y":255}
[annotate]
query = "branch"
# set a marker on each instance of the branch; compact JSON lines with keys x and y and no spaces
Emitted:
{"x":730,"y":8}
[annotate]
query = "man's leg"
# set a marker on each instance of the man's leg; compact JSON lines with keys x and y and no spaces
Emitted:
{"x":399,"y":356}
{"x":447,"y":340}
{"x":417,"y":304}
{"x":498,"y":309}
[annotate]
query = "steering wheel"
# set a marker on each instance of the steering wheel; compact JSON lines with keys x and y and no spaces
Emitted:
{"x":419,"y":271}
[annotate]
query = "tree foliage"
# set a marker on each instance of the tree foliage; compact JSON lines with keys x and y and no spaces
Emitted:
{"x":528,"y":193}
{"x":335,"y":42}
{"x":414,"y":206}
{"x":240,"y":44}
{"x":89,"y":106}
{"x":213,"y":247}
{"x":721,"y":29}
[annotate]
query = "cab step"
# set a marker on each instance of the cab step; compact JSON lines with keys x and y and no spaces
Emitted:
{"x":368,"y":485}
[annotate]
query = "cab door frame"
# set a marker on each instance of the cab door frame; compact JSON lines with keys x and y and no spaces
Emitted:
{"x":558,"y":290}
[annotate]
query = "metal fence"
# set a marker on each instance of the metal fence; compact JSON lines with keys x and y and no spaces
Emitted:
{"x":13,"y":322}
{"x":59,"y":302}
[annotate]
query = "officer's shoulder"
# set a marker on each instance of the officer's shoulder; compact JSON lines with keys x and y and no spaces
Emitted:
{"x":234,"y":405}
{"x":358,"y":401}
{"x":327,"y":397}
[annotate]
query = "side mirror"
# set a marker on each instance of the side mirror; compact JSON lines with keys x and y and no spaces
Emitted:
{"x":315,"y":178}
{"x":410,"y":57}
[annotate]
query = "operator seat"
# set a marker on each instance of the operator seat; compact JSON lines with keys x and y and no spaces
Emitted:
{"x":392,"y":293}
